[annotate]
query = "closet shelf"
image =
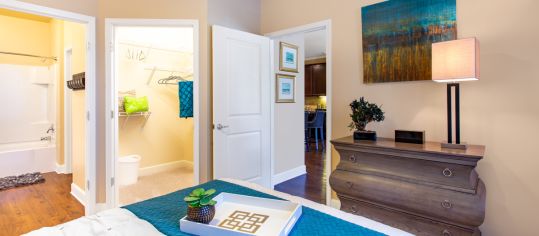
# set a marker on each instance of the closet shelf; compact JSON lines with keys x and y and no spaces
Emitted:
{"x":146,"y":115}
{"x":124,"y":114}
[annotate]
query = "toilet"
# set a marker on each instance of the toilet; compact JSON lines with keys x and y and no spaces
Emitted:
{"x":128,"y":169}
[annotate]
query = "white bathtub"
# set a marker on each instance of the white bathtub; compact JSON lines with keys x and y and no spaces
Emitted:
{"x":27,"y":157}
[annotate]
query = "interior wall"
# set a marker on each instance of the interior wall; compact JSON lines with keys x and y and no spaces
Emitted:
{"x":164,"y":137}
{"x":75,"y":38}
{"x":502,"y":104}
{"x":23,"y":34}
{"x":242,"y":15}
{"x":289,"y":117}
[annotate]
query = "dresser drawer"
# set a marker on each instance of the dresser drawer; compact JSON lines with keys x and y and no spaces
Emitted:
{"x":410,"y":223}
{"x":440,"y":174}
{"x":445,"y":205}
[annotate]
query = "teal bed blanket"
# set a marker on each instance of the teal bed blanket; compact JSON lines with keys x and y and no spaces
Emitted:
{"x":164,"y":213}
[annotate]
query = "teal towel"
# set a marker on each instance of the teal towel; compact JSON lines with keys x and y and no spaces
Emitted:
{"x":185,"y":94}
{"x":164,"y":213}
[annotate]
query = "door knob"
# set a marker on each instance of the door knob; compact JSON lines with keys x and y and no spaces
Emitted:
{"x":220,"y":126}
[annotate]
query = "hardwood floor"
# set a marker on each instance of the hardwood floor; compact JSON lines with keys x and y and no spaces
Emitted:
{"x":311,"y":185}
{"x":31,"y":207}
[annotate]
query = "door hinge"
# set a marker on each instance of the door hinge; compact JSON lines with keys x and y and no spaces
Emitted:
{"x":112,"y":114}
{"x":112,"y":181}
{"x":88,"y":185}
{"x":111,"y":46}
{"x":87,"y":115}
{"x":88,"y":46}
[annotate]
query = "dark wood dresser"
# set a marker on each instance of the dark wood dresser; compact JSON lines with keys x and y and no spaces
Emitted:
{"x":420,"y":188}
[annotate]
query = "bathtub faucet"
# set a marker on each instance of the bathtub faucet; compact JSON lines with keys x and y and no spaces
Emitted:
{"x":51,"y":129}
{"x":48,"y":138}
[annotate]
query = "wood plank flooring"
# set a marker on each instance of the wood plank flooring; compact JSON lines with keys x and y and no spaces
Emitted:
{"x":312,"y":185}
{"x":31,"y":207}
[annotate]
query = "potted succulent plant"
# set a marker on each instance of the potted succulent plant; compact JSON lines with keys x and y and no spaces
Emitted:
{"x":362,"y":114}
{"x":201,"y":207}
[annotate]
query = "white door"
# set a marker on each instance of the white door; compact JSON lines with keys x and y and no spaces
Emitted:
{"x":241,"y":106}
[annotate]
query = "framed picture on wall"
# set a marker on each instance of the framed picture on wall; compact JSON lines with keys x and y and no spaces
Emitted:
{"x":288,"y":57}
{"x":286,"y":88}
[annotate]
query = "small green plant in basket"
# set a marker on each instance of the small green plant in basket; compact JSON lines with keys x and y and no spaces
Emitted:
{"x":201,"y":206}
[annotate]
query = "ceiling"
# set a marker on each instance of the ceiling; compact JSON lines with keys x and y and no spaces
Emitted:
{"x":315,"y":44}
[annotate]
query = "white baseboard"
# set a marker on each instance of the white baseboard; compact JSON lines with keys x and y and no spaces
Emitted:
{"x":335,"y":203}
{"x":60,"y":169}
{"x":165,"y":167}
{"x":78,"y":193}
{"x":288,"y":175}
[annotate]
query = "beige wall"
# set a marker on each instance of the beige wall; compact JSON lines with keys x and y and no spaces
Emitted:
{"x":75,"y":38}
{"x":499,"y":111}
{"x":23,"y":34}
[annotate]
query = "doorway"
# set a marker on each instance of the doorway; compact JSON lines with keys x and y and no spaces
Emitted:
{"x":59,"y":24}
{"x":152,"y":67}
{"x":310,"y":181}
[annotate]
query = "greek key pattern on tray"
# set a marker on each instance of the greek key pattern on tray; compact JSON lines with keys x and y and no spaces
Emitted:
{"x":244,"y":221}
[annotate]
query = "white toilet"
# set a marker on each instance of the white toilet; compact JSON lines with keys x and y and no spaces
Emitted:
{"x":128,"y":169}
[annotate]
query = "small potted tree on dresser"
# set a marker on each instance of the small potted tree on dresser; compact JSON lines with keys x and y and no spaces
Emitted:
{"x":201,"y":207}
{"x":362,"y":114}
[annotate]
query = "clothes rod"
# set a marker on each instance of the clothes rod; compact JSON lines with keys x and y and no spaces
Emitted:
{"x":27,"y":55}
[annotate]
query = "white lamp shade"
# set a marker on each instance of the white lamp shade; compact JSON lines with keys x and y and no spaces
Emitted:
{"x":455,"y":60}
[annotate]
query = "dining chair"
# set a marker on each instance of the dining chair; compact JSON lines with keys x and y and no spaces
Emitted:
{"x":318,"y":125}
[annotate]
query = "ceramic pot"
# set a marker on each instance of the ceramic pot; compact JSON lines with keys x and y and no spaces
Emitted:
{"x":203,"y":214}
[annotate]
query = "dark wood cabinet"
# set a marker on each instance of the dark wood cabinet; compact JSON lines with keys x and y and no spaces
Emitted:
{"x":315,"y":80}
{"x":420,"y":188}
{"x":308,"y":81}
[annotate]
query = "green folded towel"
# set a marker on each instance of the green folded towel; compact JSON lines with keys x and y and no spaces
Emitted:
{"x":133,"y":104}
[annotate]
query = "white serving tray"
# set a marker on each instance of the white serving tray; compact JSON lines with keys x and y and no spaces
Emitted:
{"x":273,"y":217}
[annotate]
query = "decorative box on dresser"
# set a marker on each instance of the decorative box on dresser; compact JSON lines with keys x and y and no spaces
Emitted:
{"x":420,"y":188}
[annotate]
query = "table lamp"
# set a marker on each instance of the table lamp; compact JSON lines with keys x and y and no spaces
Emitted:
{"x":453,"y":62}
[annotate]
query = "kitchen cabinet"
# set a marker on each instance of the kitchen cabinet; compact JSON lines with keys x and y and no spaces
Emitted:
{"x":315,"y":80}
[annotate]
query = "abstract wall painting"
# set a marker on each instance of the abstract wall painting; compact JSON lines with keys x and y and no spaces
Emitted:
{"x":398,"y":34}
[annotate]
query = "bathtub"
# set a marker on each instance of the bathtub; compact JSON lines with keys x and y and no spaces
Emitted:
{"x":27,"y":157}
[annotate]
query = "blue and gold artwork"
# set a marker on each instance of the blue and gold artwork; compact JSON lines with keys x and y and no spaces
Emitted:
{"x":398,"y":34}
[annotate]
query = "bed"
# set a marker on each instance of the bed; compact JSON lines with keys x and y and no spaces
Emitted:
{"x":160,"y":216}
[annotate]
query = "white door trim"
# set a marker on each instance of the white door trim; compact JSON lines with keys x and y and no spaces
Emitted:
{"x":68,"y":123}
{"x":111,"y":100}
{"x":321,"y":25}
{"x":89,"y":21}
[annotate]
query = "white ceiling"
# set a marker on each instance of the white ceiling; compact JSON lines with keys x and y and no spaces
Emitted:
{"x":315,"y":44}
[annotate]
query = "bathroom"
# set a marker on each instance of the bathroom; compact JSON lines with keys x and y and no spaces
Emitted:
{"x":155,"y":129}
{"x":42,"y":121}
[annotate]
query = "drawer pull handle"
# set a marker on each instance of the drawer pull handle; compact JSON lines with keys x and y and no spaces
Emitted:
{"x":447,"y":172}
{"x":446,"y":232}
{"x":447,"y":204}
{"x":349,"y":184}
{"x":353,"y":209}
{"x":353,"y":158}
